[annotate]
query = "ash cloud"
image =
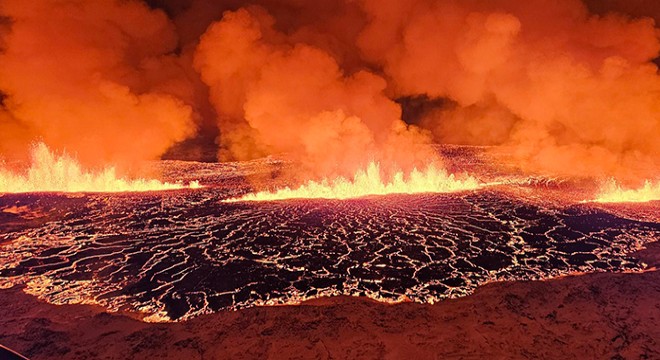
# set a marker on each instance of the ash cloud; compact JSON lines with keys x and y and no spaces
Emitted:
{"x":570,"y":87}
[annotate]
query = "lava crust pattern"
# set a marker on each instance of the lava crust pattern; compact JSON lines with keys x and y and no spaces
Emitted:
{"x":173,"y":256}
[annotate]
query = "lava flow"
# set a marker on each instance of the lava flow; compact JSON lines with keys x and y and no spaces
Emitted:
{"x":189,"y":253}
{"x":370,"y":182}
{"x":49,"y":172}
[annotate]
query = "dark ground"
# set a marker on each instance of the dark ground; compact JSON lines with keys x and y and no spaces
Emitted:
{"x":178,"y":255}
{"x":594,"y":316}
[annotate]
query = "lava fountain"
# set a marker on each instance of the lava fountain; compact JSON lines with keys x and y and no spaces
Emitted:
{"x":370,"y":182}
{"x":49,"y":172}
{"x":612,"y":192}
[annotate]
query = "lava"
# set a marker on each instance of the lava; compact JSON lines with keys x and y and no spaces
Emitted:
{"x":178,"y":255}
{"x":370,"y":182}
{"x":49,"y":172}
{"x":612,"y":192}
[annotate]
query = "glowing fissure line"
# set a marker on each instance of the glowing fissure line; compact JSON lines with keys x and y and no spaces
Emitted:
{"x":370,"y":182}
{"x":52,"y":173}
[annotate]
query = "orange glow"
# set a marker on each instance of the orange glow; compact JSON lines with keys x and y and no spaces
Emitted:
{"x":614,"y":193}
{"x":370,"y":182}
{"x":51,"y":173}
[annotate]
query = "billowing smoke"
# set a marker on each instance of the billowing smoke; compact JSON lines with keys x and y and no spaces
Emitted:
{"x":276,"y":95}
{"x":93,"y":78}
{"x":569,"y":87}
{"x":571,"y":92}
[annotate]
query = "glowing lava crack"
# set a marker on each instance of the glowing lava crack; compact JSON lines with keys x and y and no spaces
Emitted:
{"x":370,"y":182}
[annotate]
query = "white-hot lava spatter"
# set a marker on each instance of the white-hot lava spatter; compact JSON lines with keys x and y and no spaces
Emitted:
{"x":370,"y":182}
{"x":49,"y":172}
{"x":612,"y":192}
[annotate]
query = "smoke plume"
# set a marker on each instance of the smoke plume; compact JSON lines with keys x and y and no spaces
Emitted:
{"x":569,"y":87}
{"x":277,"y":95}
{"x":570,"y":92}
{"x":91,"y":77}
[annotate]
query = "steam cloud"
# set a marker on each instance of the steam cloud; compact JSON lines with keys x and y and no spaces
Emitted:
{"x":570,"y":87}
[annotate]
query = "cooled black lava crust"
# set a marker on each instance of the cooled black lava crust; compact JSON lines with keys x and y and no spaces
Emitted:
{"x":186,"y":253}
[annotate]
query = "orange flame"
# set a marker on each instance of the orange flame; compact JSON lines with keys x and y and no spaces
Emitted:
{"x":614,"y":193}
{"x":51,"y":173}
{"x":370,"y":182}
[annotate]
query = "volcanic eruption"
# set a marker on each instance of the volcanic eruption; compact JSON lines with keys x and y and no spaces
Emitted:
{"x":325,"y":88}
{"x":175,"y":159}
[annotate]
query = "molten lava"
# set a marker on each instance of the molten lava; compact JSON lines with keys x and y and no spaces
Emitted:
{"x":51,"y":173}
{"x":370,"y":182}
{"x":614,"y":193}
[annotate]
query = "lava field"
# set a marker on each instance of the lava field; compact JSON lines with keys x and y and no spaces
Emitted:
{"x":179,"y":254}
